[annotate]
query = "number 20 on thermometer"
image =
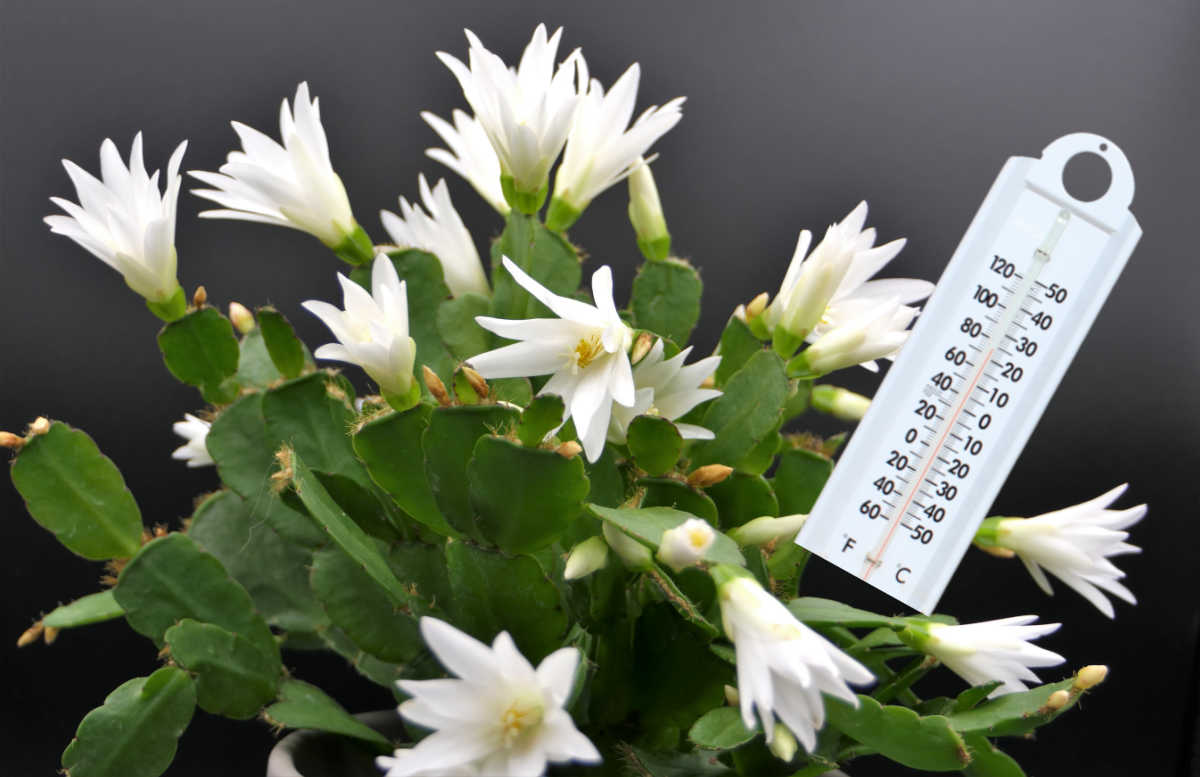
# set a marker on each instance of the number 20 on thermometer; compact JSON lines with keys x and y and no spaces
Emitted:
{"x":965,"y":392}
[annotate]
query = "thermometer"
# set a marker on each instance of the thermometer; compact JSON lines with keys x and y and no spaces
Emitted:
{"x":963,"y":396}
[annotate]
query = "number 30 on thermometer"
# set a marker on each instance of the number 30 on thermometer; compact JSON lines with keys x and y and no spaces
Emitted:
{"x":965,"y":392}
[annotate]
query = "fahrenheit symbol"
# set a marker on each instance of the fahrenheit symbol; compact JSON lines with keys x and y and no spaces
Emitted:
{"x":849,"y":544}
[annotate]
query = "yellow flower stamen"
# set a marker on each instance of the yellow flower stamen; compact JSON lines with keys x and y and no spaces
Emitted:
{"x":586,"y":351}
{"x":520,"y":716}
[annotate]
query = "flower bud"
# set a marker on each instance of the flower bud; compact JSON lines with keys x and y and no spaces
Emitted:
{"x":646,"y":214}
{"x":435,"y":386}
{"x":49,"y":634}
{"x":686,"y":544}
{"x":641,"y":347}
{"x":1090,"y":676}
{"x":199,"y":297}
{"x":478,"y":384}
{"x":634,"y":554}
{"x":11,"y":441}
{"x":839,"y":402}
{"x":30,"y":635}
{"x":767,"y":529}
{"x":1057,"y":700}
{"x":586,"y":558}
{"x":569,"y":449}
{"x":40,"y":425}
{"x":241,"y":317}
{"x":783,"y":744}
{"x":757,"y":305}
{"x":708,"y":475}
{"x":732,"y":697}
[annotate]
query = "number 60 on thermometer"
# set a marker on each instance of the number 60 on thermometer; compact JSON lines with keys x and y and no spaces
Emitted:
{"x":982,"y":362}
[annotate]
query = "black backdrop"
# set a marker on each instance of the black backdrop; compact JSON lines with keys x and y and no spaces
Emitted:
{"x":795,"y":112}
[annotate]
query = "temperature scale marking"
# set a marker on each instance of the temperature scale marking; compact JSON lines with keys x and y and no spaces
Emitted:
{"x":947,"y":424}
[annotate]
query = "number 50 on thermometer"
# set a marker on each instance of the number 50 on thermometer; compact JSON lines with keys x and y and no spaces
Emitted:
{"x":965,"y":392}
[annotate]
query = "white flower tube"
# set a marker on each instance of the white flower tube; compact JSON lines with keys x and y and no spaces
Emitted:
{"x":498,"y":716}
{"x":526,"y":113}
{"x":470,"y":155}
{"x":123,"y":221}
{"x":289,"y":185}
{"x":878,"y":333}
{"x":1073,"y":544}
{"x":600,"y":150}
{"x":195,"y":451}
{"x":666,"y":388}
{"x":585,"y":351}
{"x":990,"y":651}
{"x":783,"y":666}
{"x":439,"y":230}
{"x":372,"y":332}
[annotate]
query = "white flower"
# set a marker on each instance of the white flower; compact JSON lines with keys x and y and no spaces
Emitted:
{"x":990,"y":651}
{"x":839,"y":402}
{"x":290,"y":185}
{"x":123,"y":220}
{"x":470,"y":155}
{"x":439,"y":230}
{"x":783,"y":666}
{"x":195,"y":450}
{"x":668,"y":389}
{"x":1074,"y":544}
{"x":527,"y":112}
{"x":685,"y":544}
{"x":499,"y":717}
{"x":878,"y":333}
{"x":585,"y":351}
{"x":372,"y":331}
{"x":585,"y":558}
{"x":830,"y":288}
{"x":600,"y":150}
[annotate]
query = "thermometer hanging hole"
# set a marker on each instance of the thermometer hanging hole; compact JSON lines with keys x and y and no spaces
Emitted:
{"x":1087,"y":175}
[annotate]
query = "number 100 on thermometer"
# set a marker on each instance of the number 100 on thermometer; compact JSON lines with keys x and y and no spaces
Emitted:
{"x":957,"y":406}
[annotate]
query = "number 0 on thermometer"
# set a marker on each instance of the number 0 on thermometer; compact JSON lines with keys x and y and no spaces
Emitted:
{"x":965,"y":392}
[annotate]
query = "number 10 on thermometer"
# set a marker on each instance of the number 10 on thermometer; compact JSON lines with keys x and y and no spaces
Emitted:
{"x":990,"y":347}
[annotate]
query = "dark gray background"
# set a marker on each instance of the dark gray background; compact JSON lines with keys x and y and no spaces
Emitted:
{"x":795,"y":112}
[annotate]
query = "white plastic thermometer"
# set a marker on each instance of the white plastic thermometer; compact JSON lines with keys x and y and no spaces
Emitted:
{"x":963,"y":396}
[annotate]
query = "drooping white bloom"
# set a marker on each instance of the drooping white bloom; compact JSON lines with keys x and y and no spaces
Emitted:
{"x":1074,"y":544}
{"x":195,"y":450}
{"x":123,"y":220}
{"x":783,"y":666}
{"x":666,"y":388}
{"x":498,"y":716}
{"x":991,"y":651}
{"x":585,"y":351}
{"x":527,"y":112}
{"x":289,"y":185}
{"x":601,"y":150}
{"x":439,"y":230}
{"x":830,"y":288}
{"x":685,"y":544}
{"x":372,"y":331}
{"x":470,"y":155}
{"x":878,"y":333}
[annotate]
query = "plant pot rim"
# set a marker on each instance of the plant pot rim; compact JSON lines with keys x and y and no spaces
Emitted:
{"x":290,"y":753}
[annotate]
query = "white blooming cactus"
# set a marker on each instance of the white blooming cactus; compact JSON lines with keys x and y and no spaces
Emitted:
{"x":563,"y":540}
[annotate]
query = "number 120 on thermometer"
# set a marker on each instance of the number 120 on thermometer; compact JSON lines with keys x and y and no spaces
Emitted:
{"x":990,"y":347}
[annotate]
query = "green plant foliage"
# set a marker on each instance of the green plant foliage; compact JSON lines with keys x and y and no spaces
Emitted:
{"x":746,"y":413}
{"x":390,"y":446}
{"x":493,"y":592}
{"x":798,"y":480}
{"x":1015,"y":714}
{"x":313,"y":415}
{"x":544,"y":255}
{"x":988,"y":761}
{"x":234,"y":677}
{"x":363,"y":507}
{"x":201,"y":350}
{"x":814,"y":610}
{"x":255,"y":368}
{"x":374,"y":669}
{"x":286,"y":351}
{"x":667,"y":492}
{"x":697,"y":763}
{"x":648,"y":525}
{"x":666,"y":298}
{"x":737,"y":345}
{"x":359,"y":607}
{"x":271,"y":569}
{"x":239,"y":444}
{"x":523,"y":498}
{"x":655,"y":443}
{"x":742,"y":497}
{"x":84,"y":611}
{"x":541,"y":416}
{"x":76,"y":492}
{"x":302,"y":705}
{"x":925,"y":743}
{"x":449,"y":441}
{"x":721,"y":729}
{"x":134,"y":734}
{"x":457,"y":328}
